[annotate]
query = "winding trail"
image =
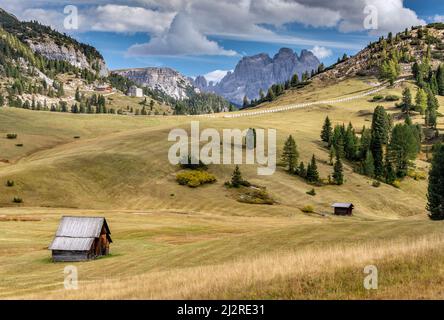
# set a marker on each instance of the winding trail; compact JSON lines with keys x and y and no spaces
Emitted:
{"x":300,"y":105}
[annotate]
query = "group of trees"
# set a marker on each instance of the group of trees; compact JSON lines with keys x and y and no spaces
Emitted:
{"x":309,"y":172}
{"x":382,"y":152}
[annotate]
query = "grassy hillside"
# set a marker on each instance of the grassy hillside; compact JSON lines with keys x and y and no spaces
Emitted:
{"x":172,"y":241}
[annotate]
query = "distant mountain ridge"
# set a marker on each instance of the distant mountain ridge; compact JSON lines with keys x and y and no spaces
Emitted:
{"x":260,"y":71}
{"x":166,"y":80}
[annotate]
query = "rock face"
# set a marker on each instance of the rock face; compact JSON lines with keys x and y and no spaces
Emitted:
{"x":166,"y":80}
{"x":260,"y":72}
{"x":50,"y":50}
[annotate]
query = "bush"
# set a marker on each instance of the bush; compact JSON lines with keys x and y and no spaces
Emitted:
{"x":377,"y":98}
{"x":11,"y":136}
{"x":391,"y":97}
{"x":19,"y":145}
{"x":308,"y":209}
{"x":195,"y":178}
{"x":396,"y":184}
{"x":10,"y":183}
{"x":376,"y":184}
{"x":312,"y":192}
{"x":256,"y":196}
{"x":417,"y":175}
{"x":17,"y":200}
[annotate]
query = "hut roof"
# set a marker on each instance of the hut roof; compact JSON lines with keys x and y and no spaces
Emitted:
{"x":71,"y":244}
{"x":78,"y":233}
{"x":342,"y":205}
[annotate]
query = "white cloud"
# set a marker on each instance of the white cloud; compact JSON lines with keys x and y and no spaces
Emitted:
{"x":321,"y":52}
{"x":216,"y":76}
{"x":182,"y":38}
{"x":234,"y":19}
{"x":438,"y":18}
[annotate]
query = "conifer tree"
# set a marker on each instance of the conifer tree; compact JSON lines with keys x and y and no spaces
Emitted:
{"x":435,"y":196}
{"x":312,"y":171}
{"x":338,"y":174}
{"x":378,"y":139}
{"x":290,"y":154}
{"x":421,"y":101}
{"x":327,"y":131}
{"x":236,"y":178}
{"x":407,"y":104}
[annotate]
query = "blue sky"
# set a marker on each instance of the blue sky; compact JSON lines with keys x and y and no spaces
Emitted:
{"x":199,"y":36}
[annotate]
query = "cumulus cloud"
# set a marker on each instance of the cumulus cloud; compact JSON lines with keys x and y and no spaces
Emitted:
{"x":216,"y":76}
{"x":184,"y":26}
{"x":182,"y":38}
{"x":321,"y":52}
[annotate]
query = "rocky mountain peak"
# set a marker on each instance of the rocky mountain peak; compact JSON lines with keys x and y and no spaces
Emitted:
{"x":259,"y":71}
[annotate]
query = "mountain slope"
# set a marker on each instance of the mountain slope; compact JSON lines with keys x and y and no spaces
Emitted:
{"x":259,"y":72}
{"x":54,"y":45}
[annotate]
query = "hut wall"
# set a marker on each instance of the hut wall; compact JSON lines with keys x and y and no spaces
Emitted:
{"x":70,"y":256}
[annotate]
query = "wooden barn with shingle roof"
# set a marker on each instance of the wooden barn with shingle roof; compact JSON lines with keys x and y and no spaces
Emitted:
{"x":80,"y":239}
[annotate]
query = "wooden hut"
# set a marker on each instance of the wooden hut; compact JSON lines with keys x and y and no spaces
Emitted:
{"x":343,"y":209}
{"x":80,"y":239}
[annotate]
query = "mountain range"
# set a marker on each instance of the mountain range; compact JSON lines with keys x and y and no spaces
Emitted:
{"x":259,"y":72}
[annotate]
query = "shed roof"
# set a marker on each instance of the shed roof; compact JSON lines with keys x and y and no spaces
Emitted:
{"x":81,"y":227}
{"x":342,"y":205}
{"x":78,"y":233}
{"x":71,"y":244}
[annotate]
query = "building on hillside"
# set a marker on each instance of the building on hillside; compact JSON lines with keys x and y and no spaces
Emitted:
{"x":134,"y":91}
{"x":80,"y":239}
{"x":343,"y":209}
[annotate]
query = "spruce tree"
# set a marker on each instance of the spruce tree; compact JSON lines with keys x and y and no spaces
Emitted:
{"x":440,"y":79}
{"x":327,"y":131}
{"x":378,"y":139}
{"x":302,"y":172}
{"x":236,"y":178}
{"x":407,"y":104}
{"x":312,"y":171}
{"x":338,"y":174}
{"x":290,"y":154}
{"x":435,"y":196}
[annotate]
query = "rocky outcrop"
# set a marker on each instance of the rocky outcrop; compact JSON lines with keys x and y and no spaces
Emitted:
{"x":260,"y":72}
{"x":50,"y":50}
{"x":166,"y":80}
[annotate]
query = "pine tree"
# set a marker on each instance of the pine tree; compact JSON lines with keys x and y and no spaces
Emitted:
{"x":290,"y":154}
{"x":302,"y":172}
{"x":270,"y":95}
{"x":368,"y":165}
{"x":440,"y":79}
{"x":78,"y":97}
{"x":435,"y":196}
{"x":294,"y":80}
{"x":403,"y":147}
{"x":338,"y":174}
{"x":406,"y":100}
{"x":431,"y":112}
{"x":312,"y":171}
{"x":379,"y":138}
{"x":236,"y":178}
{"x":390,"y":175}
{"x":327,"y":131}
{"x":421,"y":101}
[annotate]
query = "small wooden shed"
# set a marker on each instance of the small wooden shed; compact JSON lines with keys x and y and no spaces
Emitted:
{"x":343,"y":208}
{"x":80,"y":239}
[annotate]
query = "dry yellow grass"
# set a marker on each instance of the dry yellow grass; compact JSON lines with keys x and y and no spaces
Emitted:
{"x":167,"y":237}
{"x":229,"y":280}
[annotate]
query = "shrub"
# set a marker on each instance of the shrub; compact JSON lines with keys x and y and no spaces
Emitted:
{"x":307,"y":209}
{"x":195,"y":178}
{"x":19,"y":145}
{"x":11,"y":136}
{"x":417,"y":175}
{"x":17,"y":200}
{"x":256,"y":196}
{"x":10,"y":183}
{"x":391,"y":97}
{"x":312,"y":192}
{"x":376,"y":184}
{"x":396,"y":184}
{"x":377,"y":98}
{"x":77,"y":137}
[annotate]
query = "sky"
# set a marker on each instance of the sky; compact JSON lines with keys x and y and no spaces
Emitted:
{"x":209,"y":37}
